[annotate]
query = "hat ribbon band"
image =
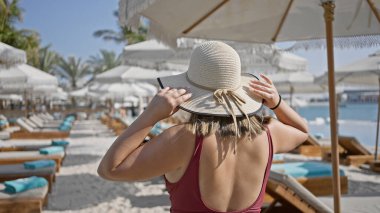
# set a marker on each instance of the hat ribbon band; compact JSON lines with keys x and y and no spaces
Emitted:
{"x":224,"y":96}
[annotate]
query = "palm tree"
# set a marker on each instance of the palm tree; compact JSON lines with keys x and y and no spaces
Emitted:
{"x":74,"y":69}
{"x":105,"y":61}
{"x":47,"y":59}
{"x":123,"y":35}
{"x":9,"y":13}
{"x":28,"y":40}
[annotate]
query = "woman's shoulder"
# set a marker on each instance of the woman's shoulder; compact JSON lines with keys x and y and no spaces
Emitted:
{"x":177,"y":133}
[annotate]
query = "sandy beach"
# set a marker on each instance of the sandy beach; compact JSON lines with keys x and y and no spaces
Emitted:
{"x":78,"y":188}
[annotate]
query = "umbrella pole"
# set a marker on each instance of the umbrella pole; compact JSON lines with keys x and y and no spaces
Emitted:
{"x":378,"y":120}
{"x":329,"y":18}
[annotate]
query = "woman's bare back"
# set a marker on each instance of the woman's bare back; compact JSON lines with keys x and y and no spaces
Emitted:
{"x":228,"y":179}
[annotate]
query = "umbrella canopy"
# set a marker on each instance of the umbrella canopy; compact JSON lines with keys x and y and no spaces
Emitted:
{"x":297,"y":82}
{"x":19,"y":78}
{"x":83,"y":92}
{"x":248,"y":21}
{"x":121,"y":90}
{"x":125,"y":73}
{"x":364,"y":72}
{"x":155,"y":55}
{"x":262,"y":21}
{"x":10,"y":56}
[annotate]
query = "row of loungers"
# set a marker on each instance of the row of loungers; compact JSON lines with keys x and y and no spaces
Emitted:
{"x":90,"y":128}
{"x":351,"y":151}
{"x":39,"y":127}
{"x":28,"y":165}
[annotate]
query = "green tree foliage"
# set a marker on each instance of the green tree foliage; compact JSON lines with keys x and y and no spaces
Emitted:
{"x":28,"y":40}
{"x":105,"y":61}
{"x":47,"y":59}
{"x":123,"y":35}
{"x":74,"y":68}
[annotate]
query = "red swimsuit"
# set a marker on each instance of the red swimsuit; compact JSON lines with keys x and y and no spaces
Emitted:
{"x":185,"y":194}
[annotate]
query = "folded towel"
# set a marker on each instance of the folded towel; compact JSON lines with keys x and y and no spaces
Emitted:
{"x":64,"y":128}
{"x":39,"y":164}
{"x":59,"y":143}
{"x":51,"y":150}
{"x":24,"y":184}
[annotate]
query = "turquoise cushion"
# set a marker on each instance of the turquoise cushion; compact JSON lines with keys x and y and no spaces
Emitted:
{"x":3,"y":122}
{"x":278,"y":157}
{"x":59,"y":143}
{"x":24,"y":184}
{"x":39,"y":164}
{"x":64,"y":128}
{"x":51,"y":150}
{"x":305,"y":169}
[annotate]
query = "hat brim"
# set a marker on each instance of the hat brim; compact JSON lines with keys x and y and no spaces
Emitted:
{"x":202,"y":100}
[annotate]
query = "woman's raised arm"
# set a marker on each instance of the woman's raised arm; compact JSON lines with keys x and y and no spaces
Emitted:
{"x":125,"y":152}
{"x":291,"y":129}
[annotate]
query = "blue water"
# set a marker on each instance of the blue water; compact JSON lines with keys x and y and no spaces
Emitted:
{"x":358,"y":120}
{"x":364,"y":112}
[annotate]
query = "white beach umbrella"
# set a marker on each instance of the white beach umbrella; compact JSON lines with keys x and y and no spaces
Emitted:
{"x":12,"y":97}
{"x":10,"y":56}
{"x":155,"y":55}
{"x":81,"y":93}
{"x":21,"y":78}
{"x":365,"y":72}
{"x":127,"y":74}
{"x":263,"y":21}
{"x":296,"y":82}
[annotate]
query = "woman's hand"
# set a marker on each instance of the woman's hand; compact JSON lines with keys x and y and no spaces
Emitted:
{"x":265,"y":90}
{"x":166,"y":102}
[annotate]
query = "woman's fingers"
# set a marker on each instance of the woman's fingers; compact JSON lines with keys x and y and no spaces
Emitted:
{"x":262,"y":94}
{"x":266,"y":79}
{"x":164,"y":90}
{"x":183,"y":98}
{"x":261,"y":88}
{"x":260,"y":83}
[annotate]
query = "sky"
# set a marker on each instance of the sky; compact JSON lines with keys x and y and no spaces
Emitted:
{"x":68,"y":26}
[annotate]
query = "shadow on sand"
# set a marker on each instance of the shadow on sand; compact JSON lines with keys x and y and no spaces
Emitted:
{"x":75,"y":192}
{"x":76,"y":160}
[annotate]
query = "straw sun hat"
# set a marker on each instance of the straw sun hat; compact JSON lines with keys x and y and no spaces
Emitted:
{"x":215,"y":80}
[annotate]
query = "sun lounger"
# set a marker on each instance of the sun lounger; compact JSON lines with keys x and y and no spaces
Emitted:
{"x":29,"y":132}
{"x":291,"y":196}
{"x":375,"y":165}
{"x":15,"y":171}
{"x":29,"y":145}
{"x":315,"y":176}
{"x":354,"y":153}
{"x":30,"y":201}
{"x":4,"y":135}
{"x":17,"y":157}
{"x":23,"y":145}
{"x":311,"y":147}
{"x":41,"y":124}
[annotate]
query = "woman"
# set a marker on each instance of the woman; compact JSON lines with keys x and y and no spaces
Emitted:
{"x":219,"y":160}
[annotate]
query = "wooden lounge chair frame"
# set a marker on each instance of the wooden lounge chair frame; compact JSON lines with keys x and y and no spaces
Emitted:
{"x":375,"y":165}
{"x":292,"y":196}
{"x":23,"y":204}
{"x":57,"y":158}
{"x":354,"y":153}
{"x":311,"y":147}
{"x":39,"y":135}
{"x":49,"y":177}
